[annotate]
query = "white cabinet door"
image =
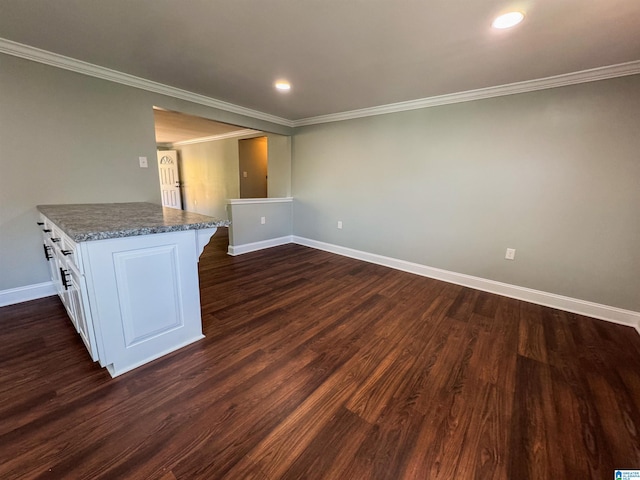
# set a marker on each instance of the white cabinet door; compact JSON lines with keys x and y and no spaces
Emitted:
{"x":78,"y":301}
{"x":144,"y":296}
{"x":64,"y":283}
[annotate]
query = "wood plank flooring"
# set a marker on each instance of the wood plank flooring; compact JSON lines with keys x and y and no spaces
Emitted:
{"x":317,"y":366}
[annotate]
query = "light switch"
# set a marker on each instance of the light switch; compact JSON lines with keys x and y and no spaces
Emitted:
{"x":143,"y":162}
{"x":244,"y":174}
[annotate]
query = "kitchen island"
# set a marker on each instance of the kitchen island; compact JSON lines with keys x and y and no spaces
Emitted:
{"x":127,"y":273}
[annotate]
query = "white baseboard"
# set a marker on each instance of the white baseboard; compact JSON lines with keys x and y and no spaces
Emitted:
{"x":26,"y":293}
{"x":252,"y":247}
{"x":582,"y":307}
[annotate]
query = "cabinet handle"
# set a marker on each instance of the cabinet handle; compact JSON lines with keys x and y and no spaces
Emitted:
{"x":46,"y":230}
{"x":63,"y":277}
{"x":55,"y":240}
{"x":40,"y":223}
{"x":47,"y":255}
{"x":66,"y":252}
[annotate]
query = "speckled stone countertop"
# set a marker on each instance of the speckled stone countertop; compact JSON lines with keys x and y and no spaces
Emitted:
{"x":98,"y":221}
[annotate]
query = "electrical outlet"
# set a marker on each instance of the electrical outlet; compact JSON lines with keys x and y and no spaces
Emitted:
{"x":263,"y":220}
{"x":511,"y":254}
{"x":143,"y":162}
{"x":340,"y":224}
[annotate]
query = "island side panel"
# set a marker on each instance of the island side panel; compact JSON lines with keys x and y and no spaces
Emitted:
{"x":146,"y":297}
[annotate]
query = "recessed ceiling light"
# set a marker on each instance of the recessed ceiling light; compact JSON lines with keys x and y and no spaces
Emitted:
{"x":508,"y":20}
{"x":283,"y":85}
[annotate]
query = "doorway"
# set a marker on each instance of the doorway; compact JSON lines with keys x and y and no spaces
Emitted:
{"x":253,"y":159}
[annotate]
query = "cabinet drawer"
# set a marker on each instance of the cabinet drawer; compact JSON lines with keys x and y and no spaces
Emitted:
{"x":61,"y":244}
{"x":70,"y":250}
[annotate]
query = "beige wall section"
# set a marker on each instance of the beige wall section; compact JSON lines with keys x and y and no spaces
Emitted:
{"x":71,"y":138}
{"x":554,"y":174}
{"x":211,"y":175}
{"x":279,"y":166}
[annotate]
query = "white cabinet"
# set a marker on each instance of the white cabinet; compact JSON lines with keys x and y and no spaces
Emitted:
{"x":63,"y":258}
{"x":80,"y":311}
{"x":131,"y":299}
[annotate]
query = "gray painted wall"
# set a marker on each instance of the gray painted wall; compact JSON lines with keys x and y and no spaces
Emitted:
{"x":279,"y":166}
{"x":245,"y":222}
{"x":554,"y":174}
{"x":71,"y":138}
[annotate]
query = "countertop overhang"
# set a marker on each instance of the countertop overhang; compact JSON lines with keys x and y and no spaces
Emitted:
{"x":100,"y":221}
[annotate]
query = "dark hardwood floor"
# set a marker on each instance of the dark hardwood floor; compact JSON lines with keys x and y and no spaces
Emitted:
{"x":317,"y":366}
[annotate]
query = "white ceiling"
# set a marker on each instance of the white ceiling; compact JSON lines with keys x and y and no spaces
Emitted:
{"x":340,"y":55}
{"x":175,"y":127}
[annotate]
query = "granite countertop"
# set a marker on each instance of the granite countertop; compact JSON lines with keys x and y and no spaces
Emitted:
{"x":98,"y":221}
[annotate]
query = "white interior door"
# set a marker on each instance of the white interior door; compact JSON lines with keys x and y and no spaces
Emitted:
{"x":169,"y":178}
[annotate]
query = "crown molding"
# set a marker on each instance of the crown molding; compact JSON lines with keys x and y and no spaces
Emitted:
{"x":42,"y":56}
{"x":67,"y":63}
{"x":584,"y":76}
{"x":212,"y":138}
